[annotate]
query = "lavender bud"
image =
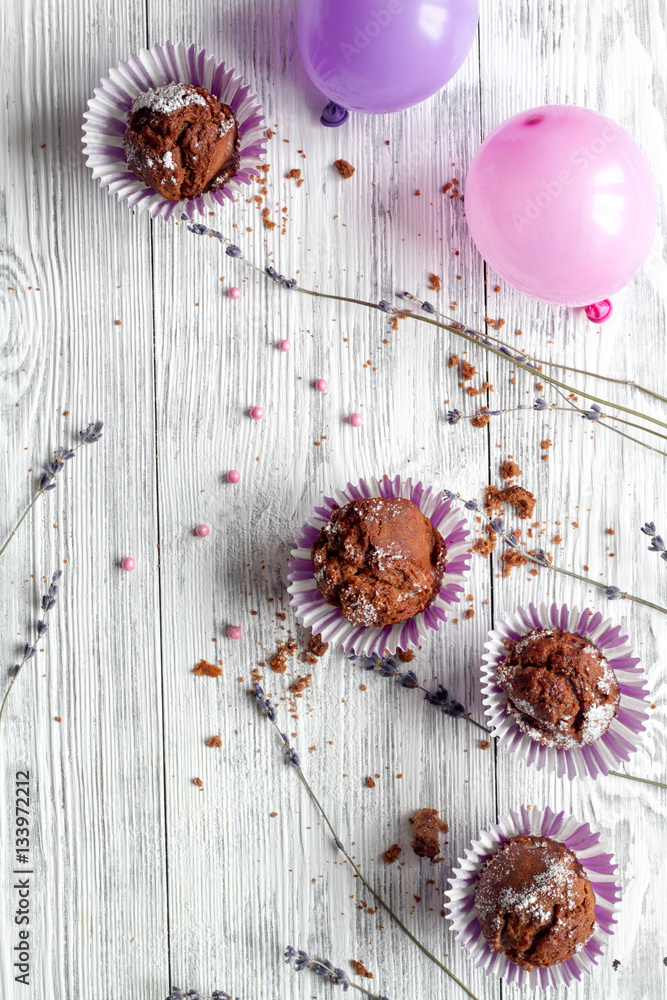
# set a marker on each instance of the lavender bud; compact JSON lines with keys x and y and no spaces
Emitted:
{"x":290,"y":953}
{"x":408,"y":679}
{"x":648,"y":528}
{"x":540,"y":404}
{"x":302,"y":961}
{"x":233,"y":251}
{"x":428,"y":308}
{"x":51,"y":468}
{"x":28,"y":651}
{"x":613,"y":593}
{"x":448,"y":494}
{"x":471,"y":505}
{"x":56,"y":576}
{"x":42,"y":628}
{"x":384,"y":306}
{"x":198,"y":229}
{"x":339,"y":978}
{"x":323,"y":968}
{"x":498,"y":524}
{"x":292,"y":758}
{"x":289,"y":283}
{"x":453,"y":416}
{"x":51,"y":487}
{"x":272,"y":273}
{"x":403,"y":295}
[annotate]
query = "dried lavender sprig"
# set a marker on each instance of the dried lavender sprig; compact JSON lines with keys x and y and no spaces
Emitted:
{"x":29,"y":649}
{"x":657,"y":542}
{"x":463,"y":332}
{"x":89,"y":435}
{"x":539,"y":557}
{"x":325,"y":970}
{"x":387,"y":666}
{"x":348,"y":857}
{"x":487,"y":337}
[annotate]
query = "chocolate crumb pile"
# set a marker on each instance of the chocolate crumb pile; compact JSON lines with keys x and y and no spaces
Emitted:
{"x":534,"y":902}
{"x":560,"y":688}
{"x":427,"y":827}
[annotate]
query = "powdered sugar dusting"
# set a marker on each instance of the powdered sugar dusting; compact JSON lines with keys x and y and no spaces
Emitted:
{"x":164,"y":100}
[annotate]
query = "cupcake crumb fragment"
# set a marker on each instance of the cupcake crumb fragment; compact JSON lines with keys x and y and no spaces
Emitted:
{"x":206,"y":669}
{"x":344,"y":168}
{"x":391,"y":854}
{"x":214,"y":741}
{"x":427,"y":828}
{"x":361,"y":969}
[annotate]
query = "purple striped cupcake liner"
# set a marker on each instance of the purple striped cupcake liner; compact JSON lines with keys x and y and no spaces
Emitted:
{"x":617,"y":743}
{"x":594,"y":858}
{"x":106,"y":120}
{"x":313,"y":611}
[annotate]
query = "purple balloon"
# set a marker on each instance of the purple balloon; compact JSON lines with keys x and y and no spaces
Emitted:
{"x":377,"y":56}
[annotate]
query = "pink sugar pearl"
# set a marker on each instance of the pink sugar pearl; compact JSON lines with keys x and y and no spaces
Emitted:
{"x":356,"y":419}
{"x":235,"y":293}
{"x":256,"y":412}
{"x":234,"y":632}
{"x":285,"y":345}
{"x":128,"y":563}
{"x":202,"y":530}
{"x":322,"y":385}
{"x":234,"y":476}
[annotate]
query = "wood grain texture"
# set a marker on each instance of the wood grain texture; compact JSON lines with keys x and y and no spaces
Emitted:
{"x":141,"y":878}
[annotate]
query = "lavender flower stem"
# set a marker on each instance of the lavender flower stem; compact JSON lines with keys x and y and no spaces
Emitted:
{"x":381,"y":902}
{"x":477,"y":340}
{"x":22,"y":518}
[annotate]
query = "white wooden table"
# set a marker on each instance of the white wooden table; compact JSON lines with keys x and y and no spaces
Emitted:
{"x":141,"y":879}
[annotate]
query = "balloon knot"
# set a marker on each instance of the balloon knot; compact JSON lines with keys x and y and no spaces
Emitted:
{"x":333,"y":115}
{"x":599,"y":312}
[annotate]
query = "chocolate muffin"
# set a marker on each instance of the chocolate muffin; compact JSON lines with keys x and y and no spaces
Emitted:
{"x":181,"y":141}
{"x":560,"y":688}
{"x":534,"y":902}
{"x":380,"y":561}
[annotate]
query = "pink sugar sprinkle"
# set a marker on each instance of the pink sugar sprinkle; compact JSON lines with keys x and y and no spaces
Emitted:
{"x":322,"y":385}
{"x":234,"y":476}
{"x":256,"y":412}
{"x":128,"y":563}
{"x":356,"y":419}
{"x":202,"y":530}
{"x":234,"y":293}
{"x":234,"y":632}
{"x":285,"y":345}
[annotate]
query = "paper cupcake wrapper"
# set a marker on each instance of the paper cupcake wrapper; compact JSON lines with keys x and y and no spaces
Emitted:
{"x":615,"y":746}
{"x":592,"y":856}
{"x":313,"y":611}
{"x":106,"y":120}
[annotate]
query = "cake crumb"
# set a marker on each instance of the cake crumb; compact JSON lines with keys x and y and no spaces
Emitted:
{"x":198,"y":782}
{"x":427,"y":827}
{"x":344,"y":168}
{"x":214,"y":741}
{"x":405,"y":655}
{"x":484,"y":744}
{"x":434,"y":283}
{"x":360,"y":969}
{"x":206,"y":669}
{"x":467,"y":370}
{"x":391,"y":854}
{"x":369,"y":783}
{"x":453,"y":360}
{"x":509,"y":470}
{"x":278,"y":661}
{"x":300,"y":684}
{"x":520,"y":499}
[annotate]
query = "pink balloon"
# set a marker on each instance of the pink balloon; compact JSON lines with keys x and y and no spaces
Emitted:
{"x":562,"y":204}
